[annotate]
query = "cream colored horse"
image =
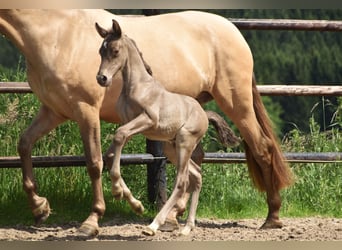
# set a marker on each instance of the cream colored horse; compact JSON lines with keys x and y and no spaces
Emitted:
{"x":194,"y":53}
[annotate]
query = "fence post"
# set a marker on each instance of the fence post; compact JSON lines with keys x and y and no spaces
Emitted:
{"x":156,"y":174}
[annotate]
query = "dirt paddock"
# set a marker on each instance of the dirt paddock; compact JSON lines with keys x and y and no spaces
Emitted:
{"x":294,"y":229}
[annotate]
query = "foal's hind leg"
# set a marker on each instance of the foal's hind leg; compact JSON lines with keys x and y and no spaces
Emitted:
{"x":195,"y":186}
{"x":43,"y":123}
{"x":195,"y":178}
{"x":185,"y":144}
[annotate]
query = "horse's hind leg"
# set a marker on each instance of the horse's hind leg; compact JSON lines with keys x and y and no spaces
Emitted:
{"x":43,"y":123}
{"x":264,"y":158}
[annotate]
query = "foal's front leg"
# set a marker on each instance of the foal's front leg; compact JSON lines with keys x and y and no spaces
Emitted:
{"x":123,"y":133}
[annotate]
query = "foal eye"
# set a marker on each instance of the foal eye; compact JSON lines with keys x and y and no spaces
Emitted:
{"x":115,"y":52}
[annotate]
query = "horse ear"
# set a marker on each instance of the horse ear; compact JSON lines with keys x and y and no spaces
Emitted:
{"x":102,"y":32}
{"x":116,"y":28}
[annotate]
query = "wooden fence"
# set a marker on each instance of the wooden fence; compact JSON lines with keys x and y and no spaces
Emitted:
{"x":243,"y":24}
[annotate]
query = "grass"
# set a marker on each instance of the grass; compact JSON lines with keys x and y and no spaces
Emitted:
{"x":227,"y":191}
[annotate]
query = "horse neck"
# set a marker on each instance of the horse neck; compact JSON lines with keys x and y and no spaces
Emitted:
{"x":10,"y":24}
{"x":134,"y":71}
{"x":27,"y":29}
{"x":30,"y":29}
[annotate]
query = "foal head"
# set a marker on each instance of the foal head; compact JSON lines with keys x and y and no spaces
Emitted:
{"x":112,"y":52}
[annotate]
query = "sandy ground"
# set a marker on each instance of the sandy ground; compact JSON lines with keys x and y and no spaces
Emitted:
{"x":294,"y":229}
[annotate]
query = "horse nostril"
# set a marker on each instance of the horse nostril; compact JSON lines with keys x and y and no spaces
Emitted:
{"x":101,"y":79}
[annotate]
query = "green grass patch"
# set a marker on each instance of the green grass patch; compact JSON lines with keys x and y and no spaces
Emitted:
{"x":227,"y":190}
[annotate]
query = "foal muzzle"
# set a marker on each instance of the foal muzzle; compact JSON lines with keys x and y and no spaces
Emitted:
{"x":102,"y":80}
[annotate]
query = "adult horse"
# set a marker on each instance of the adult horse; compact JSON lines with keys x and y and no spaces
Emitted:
{"x":194,"y":53}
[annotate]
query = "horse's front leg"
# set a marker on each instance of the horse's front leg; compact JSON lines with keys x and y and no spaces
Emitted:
{"x":43,"y":123}
{"x":89,"y":124}
{"x":113,"y":155}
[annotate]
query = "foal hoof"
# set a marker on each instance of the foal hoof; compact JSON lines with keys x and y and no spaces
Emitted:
{"x":117,"y":193}
{"x":42,"y":212}
{"x":186,"y":231}
{"x":138,"y":207}
{"x":272,"y":224}
{"x":169,"y":225}
{"x":149,"y":231}
{"x":88,"y":229}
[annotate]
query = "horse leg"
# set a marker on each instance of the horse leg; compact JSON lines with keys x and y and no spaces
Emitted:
{"x":123,"y":133}
{"x":89,"y":124}
{"x":265,"y":161}
{"x":43,"y":123}
{"x":185,"y":144}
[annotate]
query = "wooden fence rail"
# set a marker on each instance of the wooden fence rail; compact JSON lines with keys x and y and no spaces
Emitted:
{"x":135,"y":159}
{"x":287,"y":24}
{"x":270,"y":90}
{"x":293,"y":90}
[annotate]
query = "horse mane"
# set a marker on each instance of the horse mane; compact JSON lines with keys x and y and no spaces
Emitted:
{"x":147,"y":66}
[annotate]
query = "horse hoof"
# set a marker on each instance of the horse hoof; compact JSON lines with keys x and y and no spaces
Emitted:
{"x":42,"y":212}
{"x":272,"y":224}
{"x":88,"y":229}
{"x":149,"y":231}
{"x":169,"y":226}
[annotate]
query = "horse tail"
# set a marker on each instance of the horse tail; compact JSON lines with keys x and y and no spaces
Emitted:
{"x":225,"y":134}
{"x":280,"y":171}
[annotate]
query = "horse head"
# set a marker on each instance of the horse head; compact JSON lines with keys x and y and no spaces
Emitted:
{"x":112,"y":54}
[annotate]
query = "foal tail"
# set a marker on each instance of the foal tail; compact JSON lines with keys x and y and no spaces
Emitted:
{"x":280,"y":171}
{"x":225,"y":134}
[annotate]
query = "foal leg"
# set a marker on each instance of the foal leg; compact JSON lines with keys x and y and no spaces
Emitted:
{"x":123,"y":133}
{"x":43,"y":123}
{"x":185,"y":144}
{"x":194,"y":188}
{"x":197,"y":156}
{"x":126,"y":194}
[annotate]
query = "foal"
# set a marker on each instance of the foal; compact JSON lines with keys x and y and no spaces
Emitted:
{"x":146,"y":107}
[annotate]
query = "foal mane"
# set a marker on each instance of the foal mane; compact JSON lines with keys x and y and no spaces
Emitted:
{"x":147,"y":66}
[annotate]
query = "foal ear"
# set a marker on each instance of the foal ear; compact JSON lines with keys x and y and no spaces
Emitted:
{"x":102,"y":32}
{"x":116,"y":29}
